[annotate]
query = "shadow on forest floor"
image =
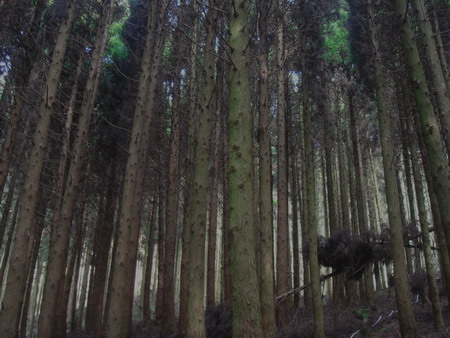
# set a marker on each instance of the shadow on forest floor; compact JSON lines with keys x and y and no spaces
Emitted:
{"x":378,"y":320}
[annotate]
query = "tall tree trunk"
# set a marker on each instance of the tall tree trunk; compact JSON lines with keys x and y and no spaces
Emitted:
{"x":102,"y":242}
{"x":149,"y":261}
{"x":282,"y":256}
{"x":428,"y":122}
{"x":213,"y":216}
{"x":59,"y":245}
{"x":118,"y":323}
{"x":198,"y":202}
{"x":187,"y":219}
{"x":22,"y":248}
{"x":314,"y":268}
{"x":440,"y":237}
{"x":7,"y":207}
{"x":266,"y":272}
{"x":407,"y":321}
{"x":437,"y":77}
{"x":7,"y":250}
{"x":431,"y":274}
{"x":29,"y":44}
{"x":246,"y":317}
{"x":169,"y":320}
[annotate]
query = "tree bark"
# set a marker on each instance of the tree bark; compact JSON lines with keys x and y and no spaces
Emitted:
{"x":246,"y":317}
{"x":22,"y":248}
{"x":437,"y":77}
{"x":266,"y":272}
{"x":408,"y":326}
{"x":118,"y":323}
{"x":428,"y":122}
{"x":282,"y":253}
{"x":198,"y":202}
{"x":59,"y":245}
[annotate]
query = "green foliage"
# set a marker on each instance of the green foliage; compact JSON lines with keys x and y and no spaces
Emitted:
{"x":362,"y":314}
{"x":116,"y":48}
{"x":336,"y":37}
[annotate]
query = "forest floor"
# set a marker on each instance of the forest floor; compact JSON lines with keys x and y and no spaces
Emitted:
{"x":378,"y":320}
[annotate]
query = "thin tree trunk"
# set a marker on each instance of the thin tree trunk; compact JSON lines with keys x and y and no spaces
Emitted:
{"x":314,"y":268}
{"x":7,"y":207}
{"x":266,"y":264}
{"x":149,"y":262}
{"x":213,"y":216}
{"x":431,"y":274}
{"x":282,"y":253}
{"x":7,"y":251}
{"x":169,"y":320}
{"x":102,"y":243}
{"x":161,"y":238}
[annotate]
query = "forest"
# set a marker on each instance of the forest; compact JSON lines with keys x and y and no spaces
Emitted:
{"x":207,"y":168}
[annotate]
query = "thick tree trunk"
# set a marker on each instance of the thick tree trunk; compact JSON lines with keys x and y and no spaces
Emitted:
{"x":437,"y":77}
{"x":428,"y":122}
{"x":407,"y":321}
{"x":198,"y":202}
{"x":246,"y":317}
{"x":59,"y":245}
{"x":22,"y":248}
{"x":118,"y":323}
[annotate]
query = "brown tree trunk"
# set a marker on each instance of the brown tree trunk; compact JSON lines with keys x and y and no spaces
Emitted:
{"x":149,"y":261}
{"x":266,"y":272}
{"x":118,"y":323}
{"x":282,"y":253}
{"x":407,"y":320}
{"x":22,"y":248}
{"x":213,"y":215}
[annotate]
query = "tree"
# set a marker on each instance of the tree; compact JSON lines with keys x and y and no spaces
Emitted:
{"x":22,"y":247}
{"x":439,"y":166}
{"x":245,"y":301}
{"x":198,"y":202}
{"x":118,"y":313}
{"x":265,"y":180}
{"x":408,"y":324}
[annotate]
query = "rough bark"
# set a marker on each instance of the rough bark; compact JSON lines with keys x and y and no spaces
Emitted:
{"x":213,"y":216}
{"x":265,"y":181}
{"x":407,"y":320}
{"x":282,"y":253}
{"x":118,"y":323}
{"x":149,"y":262}
{"x":437,"y":77}
{"x":246,"y":317}
{"x":424,"y":227}
{"x":59,"y":245}
{"x":22,"y":248}
{"x":198,"y":202}
{"x":428,"y":122}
